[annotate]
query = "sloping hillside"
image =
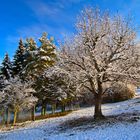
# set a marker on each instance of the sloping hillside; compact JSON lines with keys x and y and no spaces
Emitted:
{"x":122,"y":123}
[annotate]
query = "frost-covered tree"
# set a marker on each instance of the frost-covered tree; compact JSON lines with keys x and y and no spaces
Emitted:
{"x":29,"y":58}
{"x":46,"y":54}
{"x":102,"y":52}
{"x":18,"y":95}
{"x":37,"y":59}
{"x":56,"y":85}
{"x":1,"y":80}
{"x":30,"y":44}
{"x":19,"y":57}
{"x":41,"y":57}
{"x":6,"y":69}
{"x":3,"y":106}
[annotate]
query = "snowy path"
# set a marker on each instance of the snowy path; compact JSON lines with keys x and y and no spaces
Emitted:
{"x":47,"y":129}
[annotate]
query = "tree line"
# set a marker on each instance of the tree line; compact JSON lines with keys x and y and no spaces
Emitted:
{"x":33,"y":78}
{"x":101,"y":53}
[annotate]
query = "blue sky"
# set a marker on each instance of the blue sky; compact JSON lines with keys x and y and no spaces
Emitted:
{"x":29,"y":18}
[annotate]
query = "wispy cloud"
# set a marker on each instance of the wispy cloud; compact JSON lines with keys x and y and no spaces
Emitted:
{"x":42,"y":9}
{"x":52,"y":9}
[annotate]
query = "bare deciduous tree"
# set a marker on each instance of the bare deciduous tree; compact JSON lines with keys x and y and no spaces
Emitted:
{"x":102,"y":52}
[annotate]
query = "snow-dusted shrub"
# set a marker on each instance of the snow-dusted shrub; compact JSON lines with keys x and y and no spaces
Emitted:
{"x":119,"y":92}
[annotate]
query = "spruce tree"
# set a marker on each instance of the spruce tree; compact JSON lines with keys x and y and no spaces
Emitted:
{"x":46,"y":53}
{"x":40,"y":58}
{"x":6,"y":69}
{"x":30,"y":44}
{"x":30,"y":56}
{"x":1,"y":79}
{"x":45,"y":58}
{"x":19,"y":57}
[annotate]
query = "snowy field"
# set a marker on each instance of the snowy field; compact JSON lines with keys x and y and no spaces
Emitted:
{"x":52,"y":129}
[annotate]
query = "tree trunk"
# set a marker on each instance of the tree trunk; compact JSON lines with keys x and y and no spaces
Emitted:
{"x":33,"y":113}
{"x":3,"y":116}
{"x":7,"y":116}
{"x":15,"y":116}
{"x":77,"y":106}
{"x":63,"y":108}
{"x":72,"y":108}
{"x":53,"y":108}
{"x":98,"y":111}
{"x":43,"y":110}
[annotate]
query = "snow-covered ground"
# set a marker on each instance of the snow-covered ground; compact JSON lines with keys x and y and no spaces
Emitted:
{"x":50,"y":129}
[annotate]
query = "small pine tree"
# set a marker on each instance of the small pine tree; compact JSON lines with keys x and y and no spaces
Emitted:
{"x":19,"y":57}
{"x":6,"y":69}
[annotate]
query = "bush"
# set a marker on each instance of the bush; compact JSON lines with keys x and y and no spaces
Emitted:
{"x":119,"y":92}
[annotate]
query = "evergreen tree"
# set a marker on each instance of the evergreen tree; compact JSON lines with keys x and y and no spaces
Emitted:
{"x":39,"y":58}
{"x":47,"y":52}
{"x":30,"y":44}
{"x":1,"y":79}
{"x":30,"y":56}
{"x":19,"y":57}
{"x":6,"y":69}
